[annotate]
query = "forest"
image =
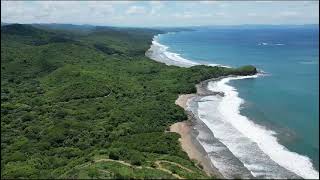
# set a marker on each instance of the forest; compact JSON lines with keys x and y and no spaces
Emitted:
{"x":87,"y":103}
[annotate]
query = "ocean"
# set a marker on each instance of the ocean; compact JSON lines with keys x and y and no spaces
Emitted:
{"x":269,"y":122}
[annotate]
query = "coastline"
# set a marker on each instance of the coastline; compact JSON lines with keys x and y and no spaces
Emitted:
{"x":188,"y":140}
{"x":190,"y":129}
{"x":226,"y":161}
{"x":159,"y":53}
{"x":192,"y":139}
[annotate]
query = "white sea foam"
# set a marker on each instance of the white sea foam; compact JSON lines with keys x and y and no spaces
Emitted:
{"x":160,"y":52}
{"x":176,"y":57}
{"x":218,"y":65}
{"x":255,"y":146}
{"x":263,"y":44}
{"x":270,"y":44}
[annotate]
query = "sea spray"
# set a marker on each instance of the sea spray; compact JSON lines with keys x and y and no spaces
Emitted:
{"x":220,"y":156}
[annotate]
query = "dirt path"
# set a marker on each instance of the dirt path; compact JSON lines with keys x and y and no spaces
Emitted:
{"x":158,"y":163}
{"x":182,"y":167}
{"x":166,"y":170}
{"x":119,"y":161}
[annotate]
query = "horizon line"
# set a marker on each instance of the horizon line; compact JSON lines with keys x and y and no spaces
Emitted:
{"x":161,"y":26}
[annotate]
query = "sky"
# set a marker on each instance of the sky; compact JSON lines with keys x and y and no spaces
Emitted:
{"x":161,"y":13}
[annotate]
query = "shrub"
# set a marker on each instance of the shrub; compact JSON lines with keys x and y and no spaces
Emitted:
{"x":114,"y":154}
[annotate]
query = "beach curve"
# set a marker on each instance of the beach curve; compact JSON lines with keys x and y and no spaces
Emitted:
{"x":161,"y":55}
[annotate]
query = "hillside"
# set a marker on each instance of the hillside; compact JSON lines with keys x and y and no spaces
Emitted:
{"x":91,"y":105}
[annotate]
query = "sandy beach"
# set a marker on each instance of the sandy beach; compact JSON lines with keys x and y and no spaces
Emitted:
{"x":233,"y":143}
{"x":189,"y":131}
{"x":183,"y":99}
{"x":188,"y":139}
{"x":193,"y":128}
{"x":218,"y":162}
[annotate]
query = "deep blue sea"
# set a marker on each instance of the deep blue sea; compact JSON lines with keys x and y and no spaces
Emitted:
{"x":286,"y":99}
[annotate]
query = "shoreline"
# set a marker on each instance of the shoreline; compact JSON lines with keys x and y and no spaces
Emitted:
{"x":194,"y":133}
{"x":187,"y":129}
{"x":191,"y":129}
{"x":158,"y":52}
{"x":196,"y":126}
{"x":188,"y":140}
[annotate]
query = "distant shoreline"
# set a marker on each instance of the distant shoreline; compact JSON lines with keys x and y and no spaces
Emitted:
{"x":186,"y":129}
{"x":188,"y":140}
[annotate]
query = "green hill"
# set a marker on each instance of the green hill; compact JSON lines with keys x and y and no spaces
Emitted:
{"x":91,"y":105}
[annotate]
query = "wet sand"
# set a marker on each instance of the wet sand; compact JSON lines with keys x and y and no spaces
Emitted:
{"x":189,"y":142}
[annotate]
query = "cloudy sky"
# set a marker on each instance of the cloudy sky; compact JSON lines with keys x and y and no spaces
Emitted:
{"x":161,"y":13}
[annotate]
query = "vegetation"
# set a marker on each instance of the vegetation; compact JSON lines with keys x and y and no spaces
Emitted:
{"x":70,"y":99}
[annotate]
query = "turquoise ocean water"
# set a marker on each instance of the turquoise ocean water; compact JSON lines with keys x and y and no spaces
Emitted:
{"x":286,"y":99}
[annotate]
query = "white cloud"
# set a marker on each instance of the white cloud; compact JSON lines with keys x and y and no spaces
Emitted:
{"x":252,"y":14}
{"x":189,"y":15}
{"x":136,"y":10}
{"x":100,"y":5}
{"x":289,"y":13}
{"x":221,"y":14}
{"x":221,"y":4}
{"x":156,"y":3}
{"x":138,"y":13}
{"x":156,"y":6}
{"x":184,"y":15}
{"x":263,"y":1}
{"x":208,"y":2}
{"x":120,"y":2}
